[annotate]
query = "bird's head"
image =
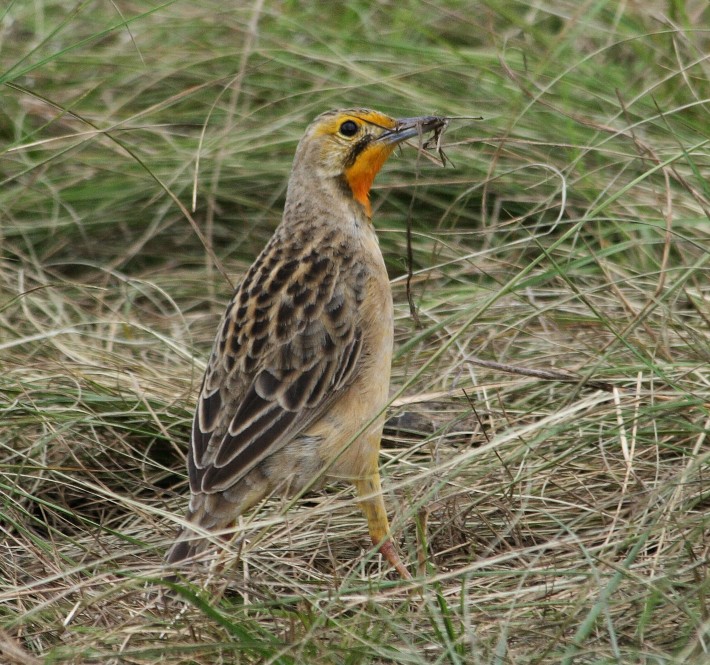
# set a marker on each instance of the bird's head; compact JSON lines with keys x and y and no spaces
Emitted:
{"x":351,"y":146}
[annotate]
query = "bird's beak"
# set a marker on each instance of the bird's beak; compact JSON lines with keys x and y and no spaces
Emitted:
{"x":406,"y":128}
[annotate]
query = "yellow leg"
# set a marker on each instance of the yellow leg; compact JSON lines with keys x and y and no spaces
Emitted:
{"x":373,"y":506}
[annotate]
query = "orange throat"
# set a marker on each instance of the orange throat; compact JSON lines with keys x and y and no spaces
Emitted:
{"x":361,"y":174}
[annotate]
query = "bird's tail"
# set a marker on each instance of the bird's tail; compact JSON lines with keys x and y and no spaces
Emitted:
{"x":207,"y":512}
{"x":187,"y":545}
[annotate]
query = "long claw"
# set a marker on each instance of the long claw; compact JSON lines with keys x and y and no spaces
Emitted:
{"x":388,"y":551}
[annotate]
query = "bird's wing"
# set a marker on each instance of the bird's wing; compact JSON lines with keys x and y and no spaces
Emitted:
{"x":289,"y":343}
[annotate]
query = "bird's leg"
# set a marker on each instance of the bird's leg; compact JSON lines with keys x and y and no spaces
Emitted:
{"x":373,"y":506}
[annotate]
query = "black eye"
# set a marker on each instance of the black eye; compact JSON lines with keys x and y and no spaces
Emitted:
{"x":348,"y":128}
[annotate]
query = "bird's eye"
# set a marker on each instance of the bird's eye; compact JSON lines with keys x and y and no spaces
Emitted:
{"x":348,"y":128}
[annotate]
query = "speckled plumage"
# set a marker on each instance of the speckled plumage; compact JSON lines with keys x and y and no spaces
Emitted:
{"x":301,"y":361}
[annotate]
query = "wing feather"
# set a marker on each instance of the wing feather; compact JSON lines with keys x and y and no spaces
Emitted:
{"x":290,"y":341}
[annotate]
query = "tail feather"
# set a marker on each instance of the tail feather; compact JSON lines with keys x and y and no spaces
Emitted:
{"x":208,"y":512}
{"x":186,"y":546}
{"x":213,"y":512}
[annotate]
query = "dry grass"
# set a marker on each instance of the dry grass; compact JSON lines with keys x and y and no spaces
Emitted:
{"x":548,"y":520}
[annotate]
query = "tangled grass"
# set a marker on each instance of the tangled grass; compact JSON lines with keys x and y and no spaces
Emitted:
{"x":546,"y":454}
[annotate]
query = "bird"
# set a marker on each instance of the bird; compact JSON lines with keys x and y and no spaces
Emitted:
{"x":297,"y":383}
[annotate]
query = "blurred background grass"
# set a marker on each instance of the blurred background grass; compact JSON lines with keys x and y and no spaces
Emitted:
{"x":551,"y":521}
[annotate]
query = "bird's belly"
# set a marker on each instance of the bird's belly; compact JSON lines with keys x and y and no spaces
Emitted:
{"x":344,"y":443}
{"x":349,"y":434}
